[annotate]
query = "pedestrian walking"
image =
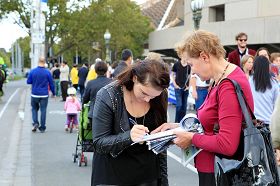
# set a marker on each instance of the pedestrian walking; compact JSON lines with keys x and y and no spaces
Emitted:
{"x":139,"y":94}
{"x":127,"y":59}
{"x":74,"y":76}
{"x":40,"y":78}
{"x":64,"y":79}
{"x":205,"y":54}
{"x":82,"y":74}
{"x":180,"y":76}
{"x":56,"y":76}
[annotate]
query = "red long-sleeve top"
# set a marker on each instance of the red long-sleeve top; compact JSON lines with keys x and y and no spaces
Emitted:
{"x":221,"y":106}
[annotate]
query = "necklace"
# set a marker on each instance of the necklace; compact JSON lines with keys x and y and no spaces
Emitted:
{"x":222,"y":75}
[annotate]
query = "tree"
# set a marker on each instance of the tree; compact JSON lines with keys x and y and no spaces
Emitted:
{"x":24,"y":44}
{"x":6,"y":58}
{"x":76,"y":28}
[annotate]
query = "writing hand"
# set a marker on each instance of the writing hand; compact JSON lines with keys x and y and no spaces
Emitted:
{"x":138,"y":132}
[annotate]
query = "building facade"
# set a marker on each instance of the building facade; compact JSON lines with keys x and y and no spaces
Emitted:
{"x":260,"y":19}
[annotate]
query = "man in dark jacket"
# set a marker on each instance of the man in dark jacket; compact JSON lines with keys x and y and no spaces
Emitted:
{"x":235,"y":56}
{"x":127,"y":59}
{"x":40,"y":78}
{"x":82,"y":74}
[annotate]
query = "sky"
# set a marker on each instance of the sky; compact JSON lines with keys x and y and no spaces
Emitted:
{"x":10,"y":32}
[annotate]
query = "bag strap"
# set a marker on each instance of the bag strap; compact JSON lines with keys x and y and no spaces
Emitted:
{"x":243,"y":104}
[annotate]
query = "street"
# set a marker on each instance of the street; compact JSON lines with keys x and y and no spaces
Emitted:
{"x":39,"y":159}
{"x":43,"y":159}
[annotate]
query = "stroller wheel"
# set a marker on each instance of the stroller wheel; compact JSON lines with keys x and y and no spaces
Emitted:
{"x":71,"y":129}
{"x":85,"y":161}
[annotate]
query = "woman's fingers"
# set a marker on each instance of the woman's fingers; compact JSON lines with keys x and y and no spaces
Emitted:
{"x":138,"y":132}
{"x":165,"y":126}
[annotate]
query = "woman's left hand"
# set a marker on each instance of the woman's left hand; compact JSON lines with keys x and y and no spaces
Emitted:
{"x":183,"y":139}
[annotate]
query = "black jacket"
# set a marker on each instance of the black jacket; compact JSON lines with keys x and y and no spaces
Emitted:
{"x":93,"y":86}
{"x":109,"y":106}
{"x":82,"y":74}
{"x":120,"y":68}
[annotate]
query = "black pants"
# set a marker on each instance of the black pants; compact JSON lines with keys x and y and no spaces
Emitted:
{"x":64,"y":87}
{"x":206,"y":179}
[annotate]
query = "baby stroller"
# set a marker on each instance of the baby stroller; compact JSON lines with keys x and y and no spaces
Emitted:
{"x":84,"y":139}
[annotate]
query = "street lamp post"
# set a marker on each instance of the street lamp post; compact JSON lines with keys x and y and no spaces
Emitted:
{"x":196,"y":6}
{"x":107,"y":37}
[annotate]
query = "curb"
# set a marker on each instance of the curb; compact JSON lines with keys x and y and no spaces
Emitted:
{"x":23,"y":174}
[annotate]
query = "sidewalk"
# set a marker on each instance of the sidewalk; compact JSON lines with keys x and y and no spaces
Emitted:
{"x":24,"y":163}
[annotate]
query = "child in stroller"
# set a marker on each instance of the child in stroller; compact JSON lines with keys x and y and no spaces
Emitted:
{"x":72,"y":106}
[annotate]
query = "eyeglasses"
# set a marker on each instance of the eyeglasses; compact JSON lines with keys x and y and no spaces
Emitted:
{"x":241,"y":40}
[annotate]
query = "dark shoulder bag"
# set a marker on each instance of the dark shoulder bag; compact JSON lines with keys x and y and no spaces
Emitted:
{"x":256,"y":165}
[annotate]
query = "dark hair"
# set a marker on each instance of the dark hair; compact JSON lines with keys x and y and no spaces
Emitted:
{"x":126,"y":53}
{"x":262,"y":48}
{"x":154,"y":73}
{"x":75,"y":65}
{"x":261,"y":75}
{"x":86,"y":64}
{"x":100,"y":68}
{"x":64,"y":62}
{"x":56,"y":65}
{"x":239,"y":35}
{"x":114,"y":65}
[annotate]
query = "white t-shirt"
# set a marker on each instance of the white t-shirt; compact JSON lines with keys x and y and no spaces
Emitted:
{"x":200,"y":83}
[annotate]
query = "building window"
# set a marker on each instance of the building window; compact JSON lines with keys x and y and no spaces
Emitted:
{"x":217,"y":13}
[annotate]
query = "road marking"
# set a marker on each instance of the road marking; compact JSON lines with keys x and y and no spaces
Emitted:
{"x":57,"y":112}
{"x":8,"y":102}
{"x":176,"y":158}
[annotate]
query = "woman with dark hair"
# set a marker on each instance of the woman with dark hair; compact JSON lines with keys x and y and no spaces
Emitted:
{"x":139,"y":94}
{"x":265,"y":89}
{"x":262,"y":51}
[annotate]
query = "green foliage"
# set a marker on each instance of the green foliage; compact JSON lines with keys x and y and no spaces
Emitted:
{"x":76,"y":28}
{"x":24,"y":44}
{"x":6,"y":58}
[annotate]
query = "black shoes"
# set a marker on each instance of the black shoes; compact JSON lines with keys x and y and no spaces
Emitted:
{"x":36,"y":126}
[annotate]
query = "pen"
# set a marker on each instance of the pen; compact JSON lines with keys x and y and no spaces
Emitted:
{"x":132,"y":121}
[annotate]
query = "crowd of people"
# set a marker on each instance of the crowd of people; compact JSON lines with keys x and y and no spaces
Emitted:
{"x":137,"y":91}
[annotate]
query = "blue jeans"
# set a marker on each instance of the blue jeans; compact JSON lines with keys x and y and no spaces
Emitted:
{"x":201,"y":95}
{"x":181,"y":103}
{"x":41,"y":103}
{"x":57,"y":87}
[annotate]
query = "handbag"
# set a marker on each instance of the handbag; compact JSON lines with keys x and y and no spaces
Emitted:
{"x":254,"y":162}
